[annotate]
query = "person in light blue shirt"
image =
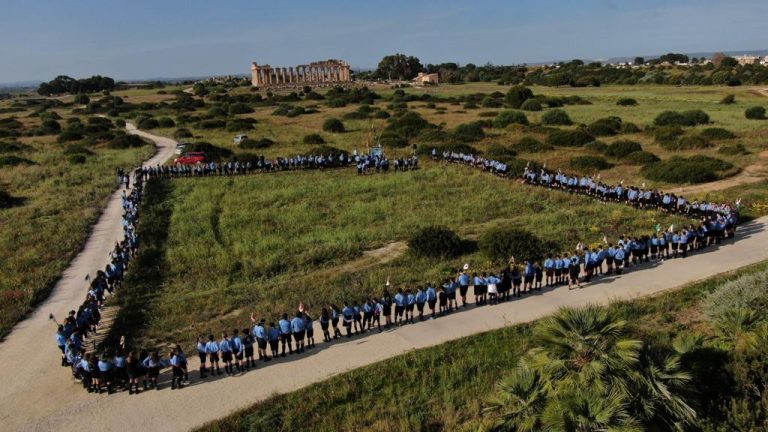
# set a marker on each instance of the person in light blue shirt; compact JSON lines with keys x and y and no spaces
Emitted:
{"x":225,"y":346}
{"x":348,"y":314}
{"x":273,"y":337}
{"x":410,"y":303}
{"x":285,"y":334}
{"x":400,"y":300}
{"x":61,"y":342}
{"x":202,"y":355}
{"x":431,"y":294}
{"x":618,"y":259}
{"x":298,"y":327}
{"x":480,"y":288}
{"x":675,"y":244}
{"x":573,"y":272}
{"x":528,"y":274}
{"x":684,"y":243}
{"x":549,"y":270}
{"x":367,"y":314}
{"x":310,"y":330}
{"x":104,"y":376}
{"x":212,"y":348}
{"x":421,"y":299}
{"x":260,"y":334}
{"x":238,"y":349}
{"x":558,"y":270}
{"x":464,"y":282}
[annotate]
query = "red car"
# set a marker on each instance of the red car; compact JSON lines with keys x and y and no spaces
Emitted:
{"x":190,"y":158}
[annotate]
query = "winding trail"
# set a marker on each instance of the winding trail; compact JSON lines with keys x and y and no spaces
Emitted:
{"x":36,"y":394}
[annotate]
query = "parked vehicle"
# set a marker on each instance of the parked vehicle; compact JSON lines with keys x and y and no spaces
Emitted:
{"x":240,"y":138}
{"x":190,"y":158}
{"x":180,"y":147}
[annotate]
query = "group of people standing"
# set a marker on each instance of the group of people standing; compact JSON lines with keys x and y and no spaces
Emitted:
{"x":238,"y":350}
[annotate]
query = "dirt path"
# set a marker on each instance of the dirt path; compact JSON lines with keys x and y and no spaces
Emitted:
{"x":36,"y":394}
{"x":751,"y":174}
{"x":29,"y":342}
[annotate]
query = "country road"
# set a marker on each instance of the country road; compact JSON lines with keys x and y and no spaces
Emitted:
{"x":36,"y":394}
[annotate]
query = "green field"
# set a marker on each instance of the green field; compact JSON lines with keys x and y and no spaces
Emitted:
{"x":265,"y":243}
{"x":446,"y":387}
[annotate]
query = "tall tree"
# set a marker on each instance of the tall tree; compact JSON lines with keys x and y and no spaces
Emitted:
{"x":399,"y":66}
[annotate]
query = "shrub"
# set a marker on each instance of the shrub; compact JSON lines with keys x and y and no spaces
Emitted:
{"x":717,"y":133}
{"x":435,"y":241}
{"x":569,"y":138}
{"x":333,"y":125}
{"x":733,"y":150}
{"x":124,"y":141}
{"x":240,"y":108}
{"x":469,"y":132}
{"x":239,"y":125}
{"x":295,"y":111}
{"x":147,"y":123}
{"x":517,"y":95}
{"x":596,"y":146}
{"x":686,"y":118}
{"x":325,"y":150}
{"x":356,"y":115}
{"x":10,"y":147}
{"x":728,"y":99}
{"x":500,"y":152}
{"x":488,"y":114}
{"x":531,"y":105}
{"x":211,"y":124}
{"x":694,"y":169}
{"x":755,"y":113}
{"x":529,"y":144}
{"x":211,"y":151}
{"x":49,"y":127}
{"x":749,"y":291}
{"x":11,"y":160}
{"x":313,"y":139}
{"x":666,"y":134}
{"x":217,"y":111}
{"x":508,"y":117}
{"x":166,"y":122}
{"x":641,"y":157}
{"x":120,"y":123}
{"x":381,"y":114}
{"x":392,"y":139}
{"x":620,"y":149}
{"x":629,"y":128}
{"x":82,"y":99}
{"x":409,"y":124}
{"x":76,"y":159}
{"x":182,"y":133}
{"x":556,"y":117}
{"x":687,"y":143}
{"x":501,"y":242}
{"x":626,"y":102}
{"x":8,"y":201}
{"x":588,"y":162}
{"x":77,"y":148}
{"x":696,"y":117}
{"x":68,"y":135}
{"x":257,"y":144}
{"x":605,"y":126}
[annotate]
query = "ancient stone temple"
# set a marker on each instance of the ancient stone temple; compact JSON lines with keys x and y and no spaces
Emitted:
{"x":328,"y":71}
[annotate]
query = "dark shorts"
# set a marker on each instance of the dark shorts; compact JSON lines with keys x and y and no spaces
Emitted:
{"x":452,"y":295}
{"x":202,"y":356}
{"x":153,"y":372}
{"x":420,"y":307}
{"x":528,"y":279}
{"x":262,"y":343}
{"x":409,"y":308}
{"x":238,"y":355}
{"x":550,"y":272}
{"x":558,"y":272}
{"x":432,"y":303}
{"x":226,"y":356}
{"x":285,"y":337}
{"x":213,"y":357}
{"x":273,"y":344}
{"x":178,"y":372}
{"x":298,"y":336}
{"x":463,"y":290}
{"x":249,"y":351}
{"x":399,"y":310}
{"x":310,"y":332}
{"x":574,"y":273}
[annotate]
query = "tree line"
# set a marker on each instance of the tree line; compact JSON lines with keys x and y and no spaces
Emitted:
{"x":63,"y":84}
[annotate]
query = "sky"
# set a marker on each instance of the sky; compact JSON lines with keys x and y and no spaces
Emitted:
{"x":138,"y":39}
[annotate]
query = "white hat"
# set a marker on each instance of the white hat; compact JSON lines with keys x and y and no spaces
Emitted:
{"x":466,"y":266}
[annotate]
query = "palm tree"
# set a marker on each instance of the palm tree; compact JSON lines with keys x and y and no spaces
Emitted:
{"x":584,"y":410}
{"x":518,"y":401}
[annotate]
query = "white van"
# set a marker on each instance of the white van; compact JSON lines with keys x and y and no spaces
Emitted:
{"x":240,"y":138}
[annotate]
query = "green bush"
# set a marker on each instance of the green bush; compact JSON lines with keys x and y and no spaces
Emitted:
{"x":77,"y":148}
{"x":605,"y":126}
{"x":717,"y":133}
{"x":381,"y":114}
{"x":49,"y":127}
{"x":260,"y":144}
{"x":629,"y":128}
{"x":68,"y":135}
{"x":728,"y":99}
{"x":239,"y":125}
{"x":555,"y":117}
{"x":531,"y":105}
{"x":76,"y":159}
{"x":182,"y":133}
{"x":240,"y":108}
{"x":120,"y":123}
{"x":356,"y":115}
{"x":529,"y":144}
{"x":694,"y":169}
{"x":508,"y":117}
{"x":11,"y":147}
{"x":747,"y":292}
{"x":435,"y":241}
{"x":313,"y":139}
{"x":10,"y":160}
{"x":165,"y":122}
{"x":665,"y":134}
{"x":626,"y":102}
{"x":470,"y":132}
{"x":409,"y":124}
{"x":499,"y":243}
{"x":217,"y":111}
{"x":124,"y":141}
{"x":620,"y":149}
{"x":296,"y":111}
{"x":587,"y":162}
{"x":641,"y":157}
{"x":517,"y":95}
{"x":733,"y":150}
{"x":325,"y":150}
{"x":500,"y":152}
{"x":686,"y":118}
{"x":211,"y":124}
{"x":392,"y":139}
{"x":148,"y":123}
{"x":569,"y":138}
{"x":687,"y":143}
{"x":696,"y":117}
{"x":755,"y":113}
{"x":596,"y":146}
{"x":488,"y":114}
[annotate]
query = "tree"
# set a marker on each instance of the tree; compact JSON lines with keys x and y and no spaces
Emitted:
{"x":717,"y":58}
{"x":729,"y":62}
{"x":399,"y":66}
{"x":639,"y":61}
{"x":333,"y":125}
{"x":755,"y":113}
{"x":517,"y":95}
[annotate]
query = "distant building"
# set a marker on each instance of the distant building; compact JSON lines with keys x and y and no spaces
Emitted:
{"x":764,"y":61}
{"x":427,"y":79}
{"x":747,"y":59}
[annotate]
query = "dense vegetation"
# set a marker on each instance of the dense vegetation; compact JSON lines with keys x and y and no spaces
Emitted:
{"x":63,"y":84}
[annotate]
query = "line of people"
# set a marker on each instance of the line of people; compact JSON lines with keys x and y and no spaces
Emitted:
{"x":239,"y":350}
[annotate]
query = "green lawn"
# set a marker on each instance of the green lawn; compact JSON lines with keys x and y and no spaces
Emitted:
{"x":444,"y":387}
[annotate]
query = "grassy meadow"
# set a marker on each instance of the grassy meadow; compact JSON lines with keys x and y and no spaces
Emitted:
{"x":264,"y":243}
{"x":445,"y":387}
{"x":55,"y":203}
